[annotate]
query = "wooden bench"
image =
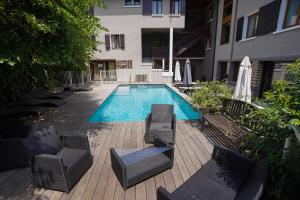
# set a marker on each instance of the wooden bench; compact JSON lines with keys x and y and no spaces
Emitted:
{"x":226,"y":123}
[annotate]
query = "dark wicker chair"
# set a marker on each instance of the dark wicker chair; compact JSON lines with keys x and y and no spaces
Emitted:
{"x":140,"y":165}
{"x":58,"y":161}
{"x":227,"y":176}
{"x":12,"y":151}
{"x":161,"y":122}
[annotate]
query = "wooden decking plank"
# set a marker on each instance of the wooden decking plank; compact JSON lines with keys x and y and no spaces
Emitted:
{"x":177,"y":177}
{"x":103,"y":178}
{"x":77,"y":192}
{"x":130,"y":192}
{"x":112,"y":180}
{"x":188,"y":163}
{"x":150,"y":189}
{"x":92,"y":184}
{"x":140,"y":188}
{"x":193,"y":146}
{"x":181,"y":165}
{"x":13,"y":185}
{"x":193,"y":157}
{"x":119,"y":192}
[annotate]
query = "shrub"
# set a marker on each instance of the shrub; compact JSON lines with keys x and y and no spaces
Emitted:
{"x":270,"y":128}
{"x":211,"y":94}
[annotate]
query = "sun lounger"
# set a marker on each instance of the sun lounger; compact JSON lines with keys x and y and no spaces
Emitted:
{"x":41,"y":93}
{"x":84,"y":88}
{"x":21,"y":111}
{"x":31,"y":101}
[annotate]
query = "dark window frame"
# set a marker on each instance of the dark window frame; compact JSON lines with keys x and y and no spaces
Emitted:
{"x":285,"y":26}
{"x":226,"y":21}
{"x":133,"y":3}
{"x":253,"y":34}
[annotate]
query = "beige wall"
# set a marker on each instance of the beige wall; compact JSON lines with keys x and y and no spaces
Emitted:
{"x":130,"y":21}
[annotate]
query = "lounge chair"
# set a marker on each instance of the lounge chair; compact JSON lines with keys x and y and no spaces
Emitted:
{"x":20,"y":111}
{"x":31,"y":101}
{"x":12,"y":151}
{"x":140,"y":165}
{"x":58,"y":161}
{"x":228,"y":175}
{"x":41,"y":93}
{"x":81,"y":88}
{"x":161,"y":122}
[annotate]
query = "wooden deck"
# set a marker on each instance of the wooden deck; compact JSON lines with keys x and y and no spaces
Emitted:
{"x":192,"y":150}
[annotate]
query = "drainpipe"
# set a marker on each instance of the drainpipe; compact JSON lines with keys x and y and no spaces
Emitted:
{"x":215,"y":39}
{"x":234,"y":28}
{"x":171,"y":50}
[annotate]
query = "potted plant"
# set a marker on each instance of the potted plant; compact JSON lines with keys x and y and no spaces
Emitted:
{"x":210,"y":96}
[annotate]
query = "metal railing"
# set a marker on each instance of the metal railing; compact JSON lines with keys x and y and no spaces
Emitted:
{"x":127,"y":76}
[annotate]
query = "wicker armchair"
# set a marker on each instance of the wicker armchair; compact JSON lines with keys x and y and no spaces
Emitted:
{"x":161,"y":122}
{"x":140,"y":165}
{"x":228,"y":175}
{"x":58,"y":161}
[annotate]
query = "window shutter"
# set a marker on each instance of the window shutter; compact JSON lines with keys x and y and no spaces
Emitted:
{"x":107,"y":42}
{"x":147,"y":7}
{"x":122,"y":41}
{"x":172,"y":11}
{"x":182,"y":7}
{"x":268,"y":17}
{"x":239,"y":29}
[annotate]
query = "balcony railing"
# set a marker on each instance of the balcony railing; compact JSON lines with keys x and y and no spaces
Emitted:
{"x":160,"y":52}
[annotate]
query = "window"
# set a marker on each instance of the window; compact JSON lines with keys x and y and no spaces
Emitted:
{"x":157,"y":7}
{"x":176,"y":7}
{"x":208,"y":41}
{"x":252,"y":25}
{"x":226,"y":22}
{"x":117,"y":41}
{"x":132,"y":2}
{"x":292,"y":14}
{"x":210,"y":13}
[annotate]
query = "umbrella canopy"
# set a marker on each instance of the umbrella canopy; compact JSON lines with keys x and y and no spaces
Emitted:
{"x":187,"y":78}
{"x":243,"y":85}
{"x":177,"y":72}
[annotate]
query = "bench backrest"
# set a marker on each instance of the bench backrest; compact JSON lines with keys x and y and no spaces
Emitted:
{"x":235,"y":108}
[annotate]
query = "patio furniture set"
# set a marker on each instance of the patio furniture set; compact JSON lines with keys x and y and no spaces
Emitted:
{"x":59,"y":161}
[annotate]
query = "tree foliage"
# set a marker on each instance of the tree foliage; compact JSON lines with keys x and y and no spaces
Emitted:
{"x":40,"y":37}
{"x":270,"y":130}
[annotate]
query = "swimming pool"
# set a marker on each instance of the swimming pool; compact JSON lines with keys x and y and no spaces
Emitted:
{"x":130,"y":103}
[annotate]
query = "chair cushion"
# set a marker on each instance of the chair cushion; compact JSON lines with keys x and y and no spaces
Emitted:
{"x":162,"y":113}
{"x":147,"y":167}
{"x":71,"y":156}
{"x":154,"y":126}
{"x":51,"y":138}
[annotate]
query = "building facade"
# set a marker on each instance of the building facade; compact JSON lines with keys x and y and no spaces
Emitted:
{"x":141,"y":33}
{"x":268,"y":31}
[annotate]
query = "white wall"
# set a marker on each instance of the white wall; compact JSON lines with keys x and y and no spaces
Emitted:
{"x":129,"y":21}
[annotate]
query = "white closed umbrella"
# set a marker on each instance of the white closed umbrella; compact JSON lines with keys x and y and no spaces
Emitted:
{"x":242,"y":90}
{"x":177,"y":72}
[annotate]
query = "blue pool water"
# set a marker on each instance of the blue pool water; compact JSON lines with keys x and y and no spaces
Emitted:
{"x":133,"y":103}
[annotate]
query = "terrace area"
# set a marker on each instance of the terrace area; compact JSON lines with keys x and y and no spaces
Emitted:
{"x":192,"y":150}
